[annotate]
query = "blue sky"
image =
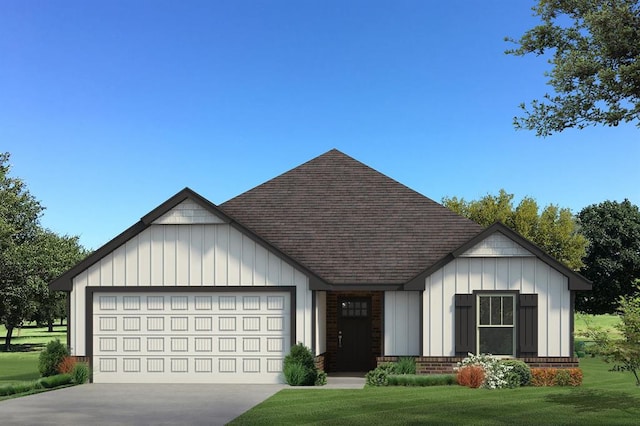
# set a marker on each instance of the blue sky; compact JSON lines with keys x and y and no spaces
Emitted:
{"x":110,"y":107}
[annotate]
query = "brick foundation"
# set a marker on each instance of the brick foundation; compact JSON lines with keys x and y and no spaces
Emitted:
{"x":445,"y":364}
{"x":320,"y":362}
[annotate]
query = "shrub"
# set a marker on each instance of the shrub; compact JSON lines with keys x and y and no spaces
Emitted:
{"x":51,"y":357}
{"x":421,"y":380}
{"x":80,"y":373}
{"x":16,"y":388}
{"x":562,"y":378}
{"x":296,"y":374}
{"x":556,"y":377}
{"x":300,"y":367}
{"x":405,"y":365}
{"x":579,"y":348}
{"x":55,"y":381}
{"x":471,"y":376}
{"x":66,"y":365}
{"x":380,"y":375}
{"x":321,"y":378}
{"x":495,"y":372}
{"x":575,"y":376}
{"x":300,"y":354}
{"x":520,"y":373}
{"x":543,"y":376}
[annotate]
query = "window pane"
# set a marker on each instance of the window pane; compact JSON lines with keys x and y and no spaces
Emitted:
{"x":507,"y":310}
{"x":496,"y":310}
{"x":484,"y":311}
{"x":496,"y":341}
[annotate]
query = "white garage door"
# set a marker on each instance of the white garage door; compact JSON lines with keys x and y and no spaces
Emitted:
{"x":220,"y":337}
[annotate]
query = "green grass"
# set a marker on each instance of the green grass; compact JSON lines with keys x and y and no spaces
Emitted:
{"x":606,"y":322}
{"x":605,"y":398}
{"x":21,"y":363}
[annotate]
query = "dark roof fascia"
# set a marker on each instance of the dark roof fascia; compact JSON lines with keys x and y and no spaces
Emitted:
{"x":576,"y":281}
{"x":65,"y":281}
{"x":365,"y":287}
{"x":417,"y":283}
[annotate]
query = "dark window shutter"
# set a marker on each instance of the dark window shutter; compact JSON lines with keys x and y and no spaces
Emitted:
{"x":528,"y":325}
{"x":465,"y":324}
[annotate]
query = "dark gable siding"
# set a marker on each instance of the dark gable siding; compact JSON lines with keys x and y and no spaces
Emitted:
{"x":465,"y":324}
{"x":527,"y":325}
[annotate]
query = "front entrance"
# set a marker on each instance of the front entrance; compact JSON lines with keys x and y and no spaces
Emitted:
{"x":354,"y":333}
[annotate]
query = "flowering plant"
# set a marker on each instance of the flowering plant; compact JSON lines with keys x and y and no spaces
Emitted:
{"x":495,"y":373}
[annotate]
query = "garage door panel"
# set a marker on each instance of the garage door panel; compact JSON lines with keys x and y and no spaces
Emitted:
{"x":194,"y":338}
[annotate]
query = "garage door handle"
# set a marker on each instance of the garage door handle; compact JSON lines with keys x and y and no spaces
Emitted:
{"x":339,"y":339}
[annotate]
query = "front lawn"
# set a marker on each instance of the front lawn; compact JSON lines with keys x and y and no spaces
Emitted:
{"x":604,"y":398}
{"x":21,"y":363}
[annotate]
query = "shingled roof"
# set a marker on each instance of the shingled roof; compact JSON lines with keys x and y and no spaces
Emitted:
{"x":350,"y":224}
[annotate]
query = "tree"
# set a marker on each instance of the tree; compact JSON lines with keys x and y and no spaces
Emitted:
{"x":554,"y":229}
{"x":595,"y":67}
{"x":613,"y":256}
{"x":30,"y":256}
{"x":19,"y":222}
{"x":51,"y":256}
{"x":624,"y":353}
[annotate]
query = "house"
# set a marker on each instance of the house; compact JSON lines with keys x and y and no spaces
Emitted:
{"x":333,"y":254}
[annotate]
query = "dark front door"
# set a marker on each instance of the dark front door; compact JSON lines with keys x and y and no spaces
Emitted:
{"x":354,"y":334}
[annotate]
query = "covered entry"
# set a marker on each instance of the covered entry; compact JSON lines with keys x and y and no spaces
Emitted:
{"x":354,"y":330}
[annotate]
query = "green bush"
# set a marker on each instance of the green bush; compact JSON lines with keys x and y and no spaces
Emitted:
{"x":80,"y":373}
{"x":405,"y":365}
{"x":579,"y":348}
{"x":380,"y":376}
{"x":321,"y":378}
{"x":51,"y":357}
{"x":296,"y":374}
{"x":422,"y":380}
{"x":16,"y":388}
{"x":563,"y":378}
{"x":299,"y":367}
{"x":55,"y":381}
{"x":520,"y":373}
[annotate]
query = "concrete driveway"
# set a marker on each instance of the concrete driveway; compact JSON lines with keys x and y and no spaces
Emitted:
{"x":134,"y":404}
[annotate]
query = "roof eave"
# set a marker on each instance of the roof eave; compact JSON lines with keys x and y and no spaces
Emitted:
{"x":576,"y":281}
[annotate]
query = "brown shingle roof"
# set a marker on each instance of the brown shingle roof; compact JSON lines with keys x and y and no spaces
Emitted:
{"x":350,"y":224}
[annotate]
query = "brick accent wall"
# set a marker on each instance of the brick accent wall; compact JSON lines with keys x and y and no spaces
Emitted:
{"x":377,"y":298}
{"x":445,"y":364}
{"x":320,"y":362}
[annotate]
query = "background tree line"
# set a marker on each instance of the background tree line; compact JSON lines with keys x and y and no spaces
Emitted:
{"x":602,"y":241}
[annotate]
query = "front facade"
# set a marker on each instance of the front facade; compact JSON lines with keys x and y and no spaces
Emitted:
{"x":331,"y":254}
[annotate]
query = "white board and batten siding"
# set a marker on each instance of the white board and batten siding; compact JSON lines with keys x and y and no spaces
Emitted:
{"x":497,"y":263}
{"x":401,"y":323}
{"x":190,"y":246}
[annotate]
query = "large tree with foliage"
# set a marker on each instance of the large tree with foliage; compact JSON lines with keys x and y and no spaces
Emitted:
{"x":29,"y":256}
{"x":51,"y":255}
{"x":613,"y":256}
{"x":19,"y":224}
{"x":553,"y":229}
{"x":594,"y":48}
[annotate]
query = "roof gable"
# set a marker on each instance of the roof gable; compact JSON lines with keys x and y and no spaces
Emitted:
{"x":349,"y":223}
{"x":185,"y":207}
{"x":498,"y":232}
